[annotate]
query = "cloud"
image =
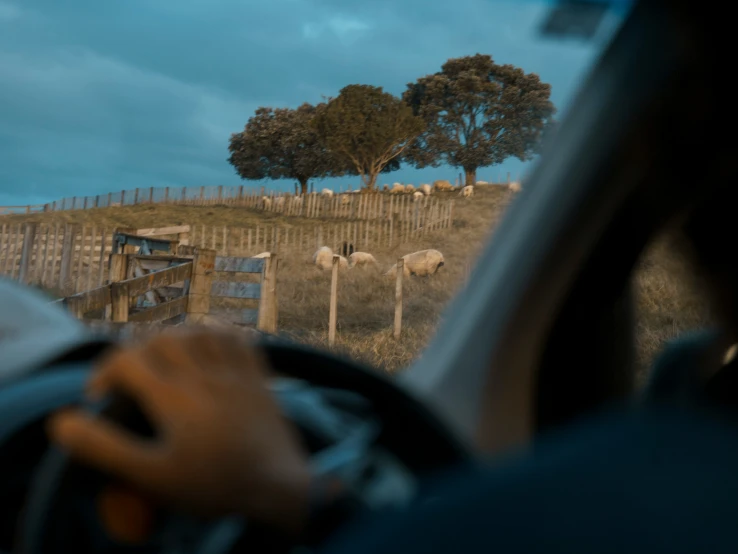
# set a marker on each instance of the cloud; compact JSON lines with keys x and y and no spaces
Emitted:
{"x":99,"y":96}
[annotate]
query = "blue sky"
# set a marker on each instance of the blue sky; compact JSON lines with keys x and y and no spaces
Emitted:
{"x":100,"y":96}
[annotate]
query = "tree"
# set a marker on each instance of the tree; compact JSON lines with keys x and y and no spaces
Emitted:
{"x":367,"y":130}
{"x":478,"y":114}
{"x":279,"y":143}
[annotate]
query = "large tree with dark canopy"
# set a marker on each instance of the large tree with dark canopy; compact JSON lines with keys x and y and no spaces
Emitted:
{"x":367,"y":130}
{"x":478,"y":114}
{"x":282,"y":143}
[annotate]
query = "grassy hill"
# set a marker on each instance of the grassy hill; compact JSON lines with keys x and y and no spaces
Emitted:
{"x":667,"y":304}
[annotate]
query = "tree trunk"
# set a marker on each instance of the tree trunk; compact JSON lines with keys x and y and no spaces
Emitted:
{"x":370,"y":180}
{"x":303,"y":186}
{"x":470,"y":176}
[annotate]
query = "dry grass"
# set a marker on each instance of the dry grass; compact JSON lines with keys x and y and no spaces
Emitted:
{"x":667,"y":304}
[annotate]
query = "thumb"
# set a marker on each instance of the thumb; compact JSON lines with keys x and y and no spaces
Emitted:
{"x":103,"y":444}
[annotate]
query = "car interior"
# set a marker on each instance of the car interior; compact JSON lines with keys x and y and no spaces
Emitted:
{"x":542,"y":336}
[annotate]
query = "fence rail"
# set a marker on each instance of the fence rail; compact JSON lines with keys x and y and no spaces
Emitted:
{"x":71,"y":259}
{"x":350,"y":206}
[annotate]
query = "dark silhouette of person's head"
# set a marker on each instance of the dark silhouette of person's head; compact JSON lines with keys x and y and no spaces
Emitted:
{"x":347,"y":249}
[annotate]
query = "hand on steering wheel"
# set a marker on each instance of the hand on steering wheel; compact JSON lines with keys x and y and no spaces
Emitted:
{"x":221,"y":446}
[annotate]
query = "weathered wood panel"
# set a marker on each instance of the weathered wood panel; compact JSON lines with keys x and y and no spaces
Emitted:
{"x":227,"y":289}
{"x":157,"y":279}
{"x":161,"y":312}
{"x":239,"y":265}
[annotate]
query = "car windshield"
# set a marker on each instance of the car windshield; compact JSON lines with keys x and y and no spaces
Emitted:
{"x":282,"y":134}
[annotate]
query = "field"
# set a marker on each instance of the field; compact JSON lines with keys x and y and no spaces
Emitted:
{"x":667,"y":303}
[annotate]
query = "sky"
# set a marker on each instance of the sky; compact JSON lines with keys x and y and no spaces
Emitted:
{"x":98,"y":97}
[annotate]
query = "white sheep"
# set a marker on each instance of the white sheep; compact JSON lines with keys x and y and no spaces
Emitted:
{"x":417,"y":195}
{"x":421,"y":263}
{"x":323,"y":258}
{"x":442,"y":185}
{"x":515,"y":186}
{"x":266,"y":202}
{"x":279,"y":202}
{"x":467,"y":191}
{"x":409,"y":188}
{"x":361,"y":259}
{"x":482,"y":183}
{"x":397,"y":188}
{"x":425,"y":189}
{"x":297,"y":200}
{"x":326,"y":192}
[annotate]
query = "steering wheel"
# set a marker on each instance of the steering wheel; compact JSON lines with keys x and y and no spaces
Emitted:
{"x":350,"y":393}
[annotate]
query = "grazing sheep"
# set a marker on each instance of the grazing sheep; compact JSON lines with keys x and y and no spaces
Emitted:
{"x":397,"y":188}
{"x":409,"y":188}
{"x":467,"y":191}
{"x":396,"y":184}
{"x":326,"y":192}
{"x":515,"y":186}
{"x":266,"y":202}
{"x":263,"y":255}
{"x":361,"y":259}
{"x":279,"y":202}
{"x":323,"y":258}
{"x":442,"y":185}
{"x":297,"y":200}
{"x":425,"y":189}
{"x":385,"y":187}
{"x":421,"y":263}
{"x":417,"y":195}
{"x":347,"y":249}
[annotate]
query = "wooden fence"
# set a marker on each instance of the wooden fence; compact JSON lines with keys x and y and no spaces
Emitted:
{"x":183,"y":289}
{"x":351,"y":206}
{"x":72,"y":259}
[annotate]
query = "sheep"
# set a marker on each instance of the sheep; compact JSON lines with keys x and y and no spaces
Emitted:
{"x":442,"y":185}
{"x":326,"y":192}
{"x":385,"y":187}
{"x":345,"y":200}
{"x":361,"y":259}
{"x":421,"y":263}
{"x":467,"y":191}
{"x":417,"y":195}
{"x":409,"y":188}
{"x":323,"y":258}
{"x":266,"y":202}
{"x":263,"y":255}
{"x":515,"y":186}
{"x":425,"y":189}
{"x":397,"y":188}
{"x":279,"y":202}
{"x":297,"y":200}
{"x":481,"y":183}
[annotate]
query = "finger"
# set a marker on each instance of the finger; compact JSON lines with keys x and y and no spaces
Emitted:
{"x":129,"y":372}
{"x":103,"y":444}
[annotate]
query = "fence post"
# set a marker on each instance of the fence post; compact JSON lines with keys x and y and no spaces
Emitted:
{"x":67,"y":254}
{"x":267,"y":316}
{"x":151,"y":195}
{"x":398,"y":297}
{"x":120,"y":300}
{"x":29,"y":238}
{"x":117,"y":271}
{"x":332,"y":316}
{"x":201,"y":281}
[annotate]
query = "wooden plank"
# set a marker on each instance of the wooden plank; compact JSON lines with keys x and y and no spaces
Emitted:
{"x":157,"y":279}
{"x":241,"y":317}
{"x":226,"y":289}
{"x":239,"y":265}
{"x":91,"y":300}
{"x":161,"y":312}
{"x":135,"y":240}
{"x":175,"y":230}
